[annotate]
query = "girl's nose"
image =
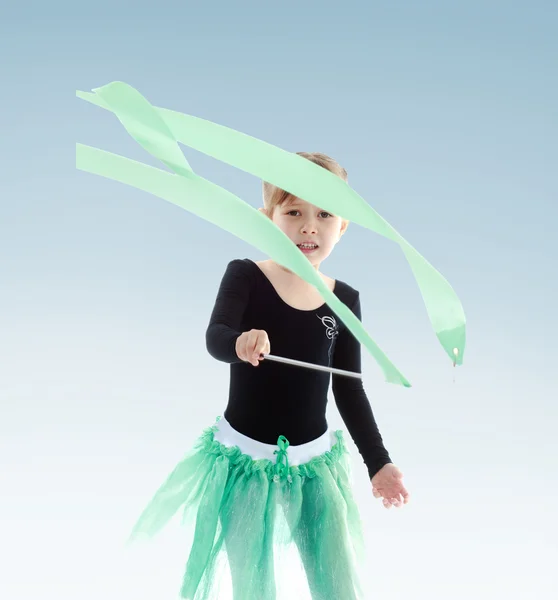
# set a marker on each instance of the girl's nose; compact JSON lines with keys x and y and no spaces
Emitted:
{"x":309,"y":227}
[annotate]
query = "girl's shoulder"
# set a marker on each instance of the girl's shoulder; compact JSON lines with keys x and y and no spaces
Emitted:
{"x":345,"y":292}
{"x":250,"y":271}
{"x":239,"y":271}
{"x":240,"y":265}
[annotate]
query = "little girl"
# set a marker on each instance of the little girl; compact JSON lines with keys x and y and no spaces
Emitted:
{"x":270,"y":473}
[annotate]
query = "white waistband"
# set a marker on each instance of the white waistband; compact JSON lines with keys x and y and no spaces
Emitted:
{"x":297,"y":455}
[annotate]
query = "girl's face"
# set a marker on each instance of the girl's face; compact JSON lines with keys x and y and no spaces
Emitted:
{"x":303,"y":223}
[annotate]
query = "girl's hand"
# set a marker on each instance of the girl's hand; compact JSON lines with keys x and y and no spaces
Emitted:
{"x":387,"y":484}
{"x":251,"y":345}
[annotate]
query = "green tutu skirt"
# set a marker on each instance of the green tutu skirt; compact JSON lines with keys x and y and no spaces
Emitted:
{"x":263,"y":529}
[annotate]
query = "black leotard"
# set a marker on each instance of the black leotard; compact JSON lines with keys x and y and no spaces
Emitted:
{"x":274,"y":398}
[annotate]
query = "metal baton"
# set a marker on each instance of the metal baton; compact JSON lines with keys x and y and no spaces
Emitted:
{"x":300,"y":363}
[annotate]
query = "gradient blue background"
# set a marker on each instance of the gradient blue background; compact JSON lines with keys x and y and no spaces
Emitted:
{"x":443,"y":114}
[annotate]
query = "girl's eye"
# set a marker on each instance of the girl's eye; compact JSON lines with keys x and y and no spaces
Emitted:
{"x":322,"y":213}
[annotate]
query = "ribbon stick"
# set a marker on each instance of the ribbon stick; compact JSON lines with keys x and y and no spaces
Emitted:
{"x":159,"y":130}
{"x":301,"y":363}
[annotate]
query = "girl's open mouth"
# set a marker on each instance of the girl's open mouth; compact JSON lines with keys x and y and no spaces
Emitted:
{"x":308,"y":248}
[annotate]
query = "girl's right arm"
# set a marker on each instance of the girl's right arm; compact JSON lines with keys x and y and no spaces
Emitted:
{"x":225,"y":340}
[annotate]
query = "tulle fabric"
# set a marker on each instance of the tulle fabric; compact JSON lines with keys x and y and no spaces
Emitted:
{"x":248,"y":515}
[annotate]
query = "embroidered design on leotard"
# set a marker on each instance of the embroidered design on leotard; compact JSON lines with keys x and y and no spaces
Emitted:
{"x":332,"y":331}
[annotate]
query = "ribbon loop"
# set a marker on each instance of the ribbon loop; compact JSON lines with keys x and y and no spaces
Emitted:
{"x":159,"y":132}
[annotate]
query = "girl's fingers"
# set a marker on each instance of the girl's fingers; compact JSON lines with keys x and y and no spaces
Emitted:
{"x":253,"y":345}
{"x":394,"y":501}
{"x":261,"y":348}
{"x":250,"y":352}
{"x":391,"y":498}
{"x":254,"y":348}
{"x":259,"y":345}
{"x":258,"y":349}
{"x":244,"y":350}
{"x":265,"y":348}
{"x":399,"y":499}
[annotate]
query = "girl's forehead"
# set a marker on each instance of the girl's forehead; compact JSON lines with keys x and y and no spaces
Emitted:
{"x":294,"y":201}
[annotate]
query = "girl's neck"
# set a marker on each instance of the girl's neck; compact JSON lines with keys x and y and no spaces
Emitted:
{"x":288,"y":271}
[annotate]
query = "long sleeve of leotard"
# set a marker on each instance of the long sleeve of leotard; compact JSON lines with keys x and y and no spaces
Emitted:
{"x":226,"y":318}
{"x":352,"y":402}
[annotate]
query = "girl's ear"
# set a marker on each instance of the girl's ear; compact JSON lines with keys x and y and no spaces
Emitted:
{"x":344,"y":226}
{"x":264,"y":211}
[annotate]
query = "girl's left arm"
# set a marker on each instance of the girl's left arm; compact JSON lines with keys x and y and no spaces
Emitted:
{"x":352,"y":402}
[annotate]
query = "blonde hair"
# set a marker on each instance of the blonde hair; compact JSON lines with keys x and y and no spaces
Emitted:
{"x":274,"y":196}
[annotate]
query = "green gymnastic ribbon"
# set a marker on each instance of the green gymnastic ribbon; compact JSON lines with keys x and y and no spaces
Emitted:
{"x":159,"y":131}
